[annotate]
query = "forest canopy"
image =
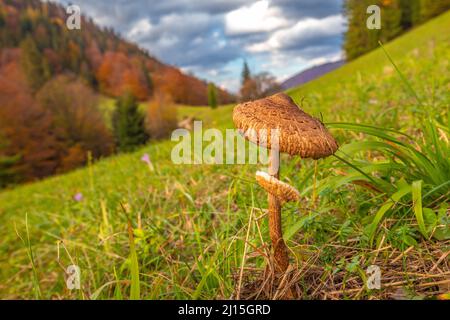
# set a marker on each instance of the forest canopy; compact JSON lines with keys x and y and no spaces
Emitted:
{"x":397,"y":16}
{"x":52,"y":81}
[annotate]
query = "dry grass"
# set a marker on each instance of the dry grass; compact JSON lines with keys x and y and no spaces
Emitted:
{"x":424,"y":270}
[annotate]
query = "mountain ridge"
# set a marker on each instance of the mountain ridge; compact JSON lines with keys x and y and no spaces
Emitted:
{"x":311,"y":74}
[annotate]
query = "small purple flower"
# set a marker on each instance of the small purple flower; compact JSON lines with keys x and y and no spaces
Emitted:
{"x":78,"y":197}
{"x":146,"y":158}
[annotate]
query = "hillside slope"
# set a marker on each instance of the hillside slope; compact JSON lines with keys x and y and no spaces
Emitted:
{"x":191,"y":222}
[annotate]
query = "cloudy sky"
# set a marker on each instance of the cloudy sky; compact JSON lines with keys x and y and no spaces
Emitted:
{"x":211,"y":38}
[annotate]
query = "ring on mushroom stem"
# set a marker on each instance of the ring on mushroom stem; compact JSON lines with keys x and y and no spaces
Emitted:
{"x":298,"y":133}
{"x":281,"y":190}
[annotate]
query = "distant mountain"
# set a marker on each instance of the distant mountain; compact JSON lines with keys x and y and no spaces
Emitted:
{"x":310,"y":74}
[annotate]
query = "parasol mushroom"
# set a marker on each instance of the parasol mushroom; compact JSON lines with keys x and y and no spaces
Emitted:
{"x":297,"y":133}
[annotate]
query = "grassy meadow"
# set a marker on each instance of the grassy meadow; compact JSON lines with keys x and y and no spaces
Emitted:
{"x":199,"y":231}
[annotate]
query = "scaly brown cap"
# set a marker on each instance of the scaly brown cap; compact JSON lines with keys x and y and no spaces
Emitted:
{"x":299,"y":133}
{"x":279,"y":189}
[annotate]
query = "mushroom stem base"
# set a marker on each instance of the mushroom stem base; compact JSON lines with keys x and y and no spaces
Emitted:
{"x":280,"y":251}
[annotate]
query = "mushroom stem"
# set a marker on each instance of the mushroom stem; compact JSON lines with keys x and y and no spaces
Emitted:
{"x":276,"y":234}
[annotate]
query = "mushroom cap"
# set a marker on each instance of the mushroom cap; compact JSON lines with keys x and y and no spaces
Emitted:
{"x":299,"y":133}
{"x":281,"y":190}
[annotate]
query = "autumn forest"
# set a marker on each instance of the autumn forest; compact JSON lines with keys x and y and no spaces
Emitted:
{"x":52,"y":81}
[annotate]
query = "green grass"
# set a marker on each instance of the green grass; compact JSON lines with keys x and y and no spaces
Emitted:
{"x":179,"y":232}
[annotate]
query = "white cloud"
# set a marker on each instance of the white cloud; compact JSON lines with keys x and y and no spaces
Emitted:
{"x":306,"y":30}
{"x":140,"y":28}
{"x":258,"y":17}
{"x":334,"y":57}
{"x":230,"y":84}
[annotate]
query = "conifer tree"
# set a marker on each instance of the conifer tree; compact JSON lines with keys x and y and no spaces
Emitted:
{"x":33,"y":64}
{"x":410,"y":13}
{"x":245,"y":75}
{"x":128,"y":124}
{"x":7,"y":171}
{"x":358,"y":38}
{"x":2,"y":18}
{"x":212,"y":95}
{"x":432,"y":8}
{"x":147,"y":78}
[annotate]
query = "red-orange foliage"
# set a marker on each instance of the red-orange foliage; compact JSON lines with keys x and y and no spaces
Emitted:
{"x":93,"y":54}
{"x":133,"y":82}
{"x":170,"y":81}
{"x":54,"y":132}
{"x":185,"y":89}
{"x":98,"y":55}
{"x":118,"y":75}
{"x":161,"y":116}
{"x":26,"y":126}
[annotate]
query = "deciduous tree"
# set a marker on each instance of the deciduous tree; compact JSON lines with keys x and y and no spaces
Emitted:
{"x":161,"y":116}
{"x":77,"y":122}
{"x":259,"y":86}
{"x":26,"y":127}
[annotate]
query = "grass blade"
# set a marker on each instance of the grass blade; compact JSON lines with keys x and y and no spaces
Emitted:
{"x":135,"y":293}
{"x":417,"y":204}
{"x":402,"y":76}
{"x":371,"y":229}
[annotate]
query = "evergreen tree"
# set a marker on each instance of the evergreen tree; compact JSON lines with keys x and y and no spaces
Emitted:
{"x":212,"y":95}
{"x":88,"y":75}
{"x":7,"y":171}
{"x":2,"y":18}
{"x":33,"y":64}
{"x":245,"y":75}
{"x":358,"y":38}
{"x":397,"y":16}
{"x":391,"y":16}
{"x":410,"y":13}
{"x":26,"y":25}
{"x":128,"y":124}
{"x":147,"y":79}
{"x":3,"y":31}
{"x":432,"y":8}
